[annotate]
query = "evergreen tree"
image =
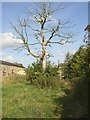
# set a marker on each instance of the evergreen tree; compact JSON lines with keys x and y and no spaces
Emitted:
{"x":76,"y":66}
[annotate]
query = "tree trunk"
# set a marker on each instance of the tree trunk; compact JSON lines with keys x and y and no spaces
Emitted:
{"x":44,"y":63}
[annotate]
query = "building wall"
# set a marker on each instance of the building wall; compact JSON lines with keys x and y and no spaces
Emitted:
{"x":9,"y":71}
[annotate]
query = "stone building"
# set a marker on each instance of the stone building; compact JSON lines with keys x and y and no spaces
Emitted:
{"x":8,"y":69}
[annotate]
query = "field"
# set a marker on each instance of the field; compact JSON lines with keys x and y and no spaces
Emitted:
{"x":20,"y":100}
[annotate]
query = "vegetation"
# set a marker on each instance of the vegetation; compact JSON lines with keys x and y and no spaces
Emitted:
{"x":41,"y":93}
{"x":49,"y":78}
{"x":27,"y":101}
{"x":77,"y":69}
{"x":67,"y":99}
{"x":77,"y":64}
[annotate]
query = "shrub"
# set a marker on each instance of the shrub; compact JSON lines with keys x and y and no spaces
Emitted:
{"x":49,"y":78}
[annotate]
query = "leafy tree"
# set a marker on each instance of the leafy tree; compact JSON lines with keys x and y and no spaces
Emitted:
{"x":77,"y":65}
{"x":67,"y":66}
{"x":45,"y":34}
{"x":87,"y":65}
{"x":68,"y":57}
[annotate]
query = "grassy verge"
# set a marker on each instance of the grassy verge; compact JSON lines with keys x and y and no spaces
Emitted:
{"x":25,"y":101}
{"x":20,"y":100}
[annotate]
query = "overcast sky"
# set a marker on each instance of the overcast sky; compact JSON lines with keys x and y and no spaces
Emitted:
{"x":76,"y":12}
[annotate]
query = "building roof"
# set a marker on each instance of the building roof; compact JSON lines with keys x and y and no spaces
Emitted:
{"x":11,"y":64}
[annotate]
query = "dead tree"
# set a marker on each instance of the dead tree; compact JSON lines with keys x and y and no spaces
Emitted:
{"x":44,"y":33}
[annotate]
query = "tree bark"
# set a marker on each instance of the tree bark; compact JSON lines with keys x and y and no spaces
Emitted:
{"x":44,"y":63}
{"x":43,"y":57}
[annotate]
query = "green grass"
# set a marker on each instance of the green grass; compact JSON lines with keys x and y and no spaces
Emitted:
{"x":20,"y":100}
{"x":26,"y":101}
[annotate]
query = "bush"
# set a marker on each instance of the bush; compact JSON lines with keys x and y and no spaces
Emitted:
{"x":49,"y":78}
{"x":44,"y":81}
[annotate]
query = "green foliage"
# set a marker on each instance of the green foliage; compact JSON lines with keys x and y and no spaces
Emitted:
{"x":70,"y":100}
{"x":77,"y":71}
{"x":48,"y":78}
{"x":68,"y":57}
{"x":87,"y":59}
{"x":77,"y":65}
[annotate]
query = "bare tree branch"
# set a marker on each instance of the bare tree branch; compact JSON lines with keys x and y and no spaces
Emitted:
{"x":25,"y":42}
{"x":61,"y":43}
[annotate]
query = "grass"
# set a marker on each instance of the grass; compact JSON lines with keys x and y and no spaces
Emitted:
{"x":20,"y":100}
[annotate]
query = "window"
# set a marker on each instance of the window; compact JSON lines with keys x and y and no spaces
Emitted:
{"x":12,"y":71}
{"x":4,"y":72}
